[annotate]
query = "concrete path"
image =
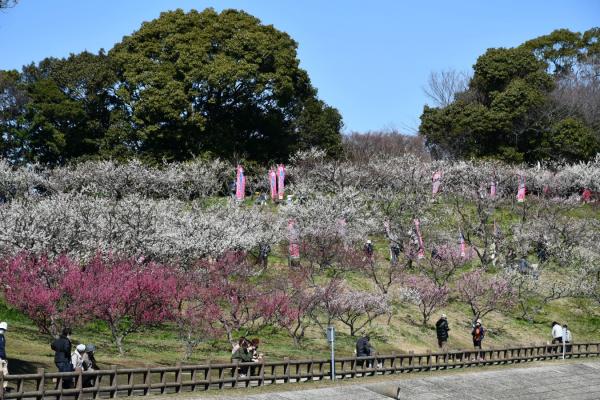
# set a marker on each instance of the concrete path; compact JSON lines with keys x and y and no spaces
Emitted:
{"x":576,"y":381}
{"x":562,"y":381}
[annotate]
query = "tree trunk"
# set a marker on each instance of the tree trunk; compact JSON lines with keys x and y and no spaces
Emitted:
{"x":189,"y":350}
{"x":117,"y":338}
{"x":119,"y":343}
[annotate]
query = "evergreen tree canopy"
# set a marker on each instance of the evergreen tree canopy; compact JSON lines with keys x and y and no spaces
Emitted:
{"x":534,"y":102}
{"x":183,"y":85}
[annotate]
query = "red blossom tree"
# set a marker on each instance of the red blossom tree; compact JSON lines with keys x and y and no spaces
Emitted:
{"x":243,"y":303}
{"x":485,"y":293}
{"x":196,"y":314}
{"x":124,"y":294}
{"x":36,"y":287}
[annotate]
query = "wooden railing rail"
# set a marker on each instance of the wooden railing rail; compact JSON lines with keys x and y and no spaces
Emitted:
{"x":125,"y":382}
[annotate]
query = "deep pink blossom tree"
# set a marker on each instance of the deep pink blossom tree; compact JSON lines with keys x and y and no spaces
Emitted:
{"x":36,"y":287}
{"x":241,"y":301}
{"x":428,"y":296}
{"x":126,"y":295}
{"x":197,"y":313}
{"x":484,"y":293}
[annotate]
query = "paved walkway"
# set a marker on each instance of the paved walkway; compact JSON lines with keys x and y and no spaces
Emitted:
{"x":576,"y":381}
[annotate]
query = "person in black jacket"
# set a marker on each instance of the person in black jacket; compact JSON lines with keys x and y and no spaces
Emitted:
{"x":363,"y":348}
{"x":3,"y":360}
{"x":62,"y":355}
{"x":441,"y":328}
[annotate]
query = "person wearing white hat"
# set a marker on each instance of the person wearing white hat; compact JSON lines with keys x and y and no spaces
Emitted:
{"x":77,"y":356}
{"x":3,"y":360}
{"x":478,"y":334}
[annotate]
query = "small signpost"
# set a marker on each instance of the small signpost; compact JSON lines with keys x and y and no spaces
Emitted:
{"x":564,"y":341}
{"x":331,"y":340}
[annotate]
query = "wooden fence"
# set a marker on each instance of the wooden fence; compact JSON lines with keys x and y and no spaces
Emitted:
{"x":116,"y":382}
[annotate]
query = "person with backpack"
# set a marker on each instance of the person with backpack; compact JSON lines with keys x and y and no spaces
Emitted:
{"x":478,"y":334}
{"x":62,"y":355}
{"x":441,"y":329}
{"x":3,"y":359}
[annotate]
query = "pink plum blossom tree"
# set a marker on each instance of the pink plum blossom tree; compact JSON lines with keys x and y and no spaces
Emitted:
{"x":484,"y":293}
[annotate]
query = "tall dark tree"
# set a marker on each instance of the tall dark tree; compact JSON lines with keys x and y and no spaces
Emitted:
{"x":70,"y":102}
{"x":221,"y":83}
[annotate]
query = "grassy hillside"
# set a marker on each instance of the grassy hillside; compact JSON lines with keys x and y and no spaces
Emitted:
{"x":28,"y":350}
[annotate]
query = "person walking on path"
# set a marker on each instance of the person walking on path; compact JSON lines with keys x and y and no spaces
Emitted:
{"x":557,"y":333}
{"x":441,"y":329}
{"x":478,"y":334}
{"x":3,"y":359}
{"x":62,"y":355}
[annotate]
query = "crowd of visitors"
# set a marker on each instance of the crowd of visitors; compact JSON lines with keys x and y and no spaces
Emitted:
{"x":67,"y":361}
{"x":244,"y":351}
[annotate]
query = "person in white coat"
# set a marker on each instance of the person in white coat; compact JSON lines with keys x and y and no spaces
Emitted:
{"x":77,"y":358}
{"x":557,"y":333}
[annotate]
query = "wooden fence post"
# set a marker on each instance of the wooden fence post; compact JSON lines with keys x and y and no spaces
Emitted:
{"x":79,"y":383}
{"x":261,"y":373}
{"x":113,"y":382}
{"x":41,"y":383}
{"x":147,"y":382}
{"x":428,"y":360}
{"x":178,"y":377}
{"x":286,"y":369}
{"x":208,"y":376}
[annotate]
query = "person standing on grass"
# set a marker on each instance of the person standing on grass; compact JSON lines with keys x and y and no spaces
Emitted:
{"x":62,"y":355}
{"x":369,"y":249}
{"x":3,"y":359}
{"x":441,"y":329}
{"x":478,"y":334}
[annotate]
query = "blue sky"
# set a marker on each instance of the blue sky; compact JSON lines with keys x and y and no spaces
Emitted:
{"x":370,"y":59}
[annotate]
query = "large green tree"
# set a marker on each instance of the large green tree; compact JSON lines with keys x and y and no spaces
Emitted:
{"x":221,"y":83}
{"x":183,"y":85}
{"x":59,"y":109}
{"x":511,"y":109}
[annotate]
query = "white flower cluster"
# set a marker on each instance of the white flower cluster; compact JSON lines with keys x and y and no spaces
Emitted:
{"x":168,"y":230}
{"x":106,"y":179}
